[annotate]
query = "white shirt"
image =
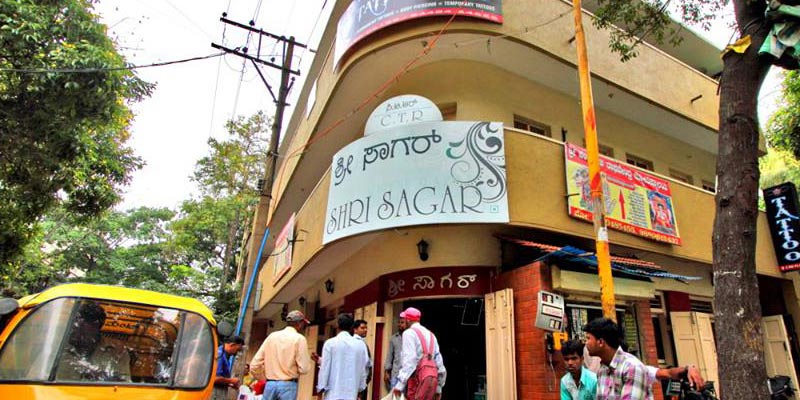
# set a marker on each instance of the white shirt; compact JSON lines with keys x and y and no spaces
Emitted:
{"x":412,"y":353}
{"x":344,"y":367}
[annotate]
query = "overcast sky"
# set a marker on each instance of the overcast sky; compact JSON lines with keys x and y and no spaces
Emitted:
{"x":193,"y":100}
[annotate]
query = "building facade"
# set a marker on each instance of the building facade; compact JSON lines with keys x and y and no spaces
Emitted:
{"x":503,"y":72}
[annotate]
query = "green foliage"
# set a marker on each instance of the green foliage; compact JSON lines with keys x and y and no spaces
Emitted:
{"x":62,"y":135}
{"x":191,"y":252}
{"x":783,"y":128}
{"x":650,"y":20}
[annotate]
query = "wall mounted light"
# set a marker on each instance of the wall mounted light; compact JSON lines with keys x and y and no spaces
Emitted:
{"x":329,"y":286}
{"x":301,"y":301}
{"x":422,"y":250}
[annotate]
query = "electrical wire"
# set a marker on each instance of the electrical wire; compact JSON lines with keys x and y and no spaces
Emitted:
{"x":244,"y":61}
{"x":525,"y":30}
{"x":106,"y":69}
{"x":311,"y":34}
{"x":366,"y":101}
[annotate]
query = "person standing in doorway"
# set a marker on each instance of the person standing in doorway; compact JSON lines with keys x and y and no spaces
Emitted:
{"x":391,"y":367}
{"x":282,"y":358}
{"x":408,"y":379}
{"x":231,"y":346}
{"x":621,"y":374}
{"x":578,"y":383}
{"x":360,"y":333}
{"x":343,"y":373}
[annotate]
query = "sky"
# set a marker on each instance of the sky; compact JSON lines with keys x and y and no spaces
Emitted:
{"x":193,"y":100}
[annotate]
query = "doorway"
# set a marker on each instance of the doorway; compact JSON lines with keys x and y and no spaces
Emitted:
{"x":460,"y":329}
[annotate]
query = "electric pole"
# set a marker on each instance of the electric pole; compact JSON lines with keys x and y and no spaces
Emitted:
{"x":243,"y":326}
{"x":595,"y":176}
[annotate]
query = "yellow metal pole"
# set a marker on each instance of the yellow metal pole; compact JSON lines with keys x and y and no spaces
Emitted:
{"x":592,"y":148}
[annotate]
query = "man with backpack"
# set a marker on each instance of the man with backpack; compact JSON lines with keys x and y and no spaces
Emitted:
{"x":422,"y":375}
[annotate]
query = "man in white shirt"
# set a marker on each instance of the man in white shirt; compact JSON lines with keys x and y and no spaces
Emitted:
{"x":412,"y":352}
{"x":343,"y":372}
{"x":360,"y":333}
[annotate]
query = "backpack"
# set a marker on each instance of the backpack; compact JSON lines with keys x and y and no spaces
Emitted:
{"x":422,"y":384}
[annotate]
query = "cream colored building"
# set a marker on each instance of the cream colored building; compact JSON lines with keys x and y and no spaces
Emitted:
{"x":656,"y":113}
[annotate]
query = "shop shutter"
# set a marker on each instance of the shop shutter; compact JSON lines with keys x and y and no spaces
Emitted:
{"x":776,"y":348}
{"x":501,"y":375}
{"x":694,"y":343}
{"x":305,"y":385}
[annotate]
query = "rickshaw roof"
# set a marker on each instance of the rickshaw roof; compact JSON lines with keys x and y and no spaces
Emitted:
{"x":118,"y":293}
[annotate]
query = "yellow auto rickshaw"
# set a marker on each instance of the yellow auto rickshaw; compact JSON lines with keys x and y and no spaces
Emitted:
{"x":81,"y":341}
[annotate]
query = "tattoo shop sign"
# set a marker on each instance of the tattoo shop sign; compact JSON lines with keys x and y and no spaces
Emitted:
{"x":431,"y":172}
{"x":784,"y":224}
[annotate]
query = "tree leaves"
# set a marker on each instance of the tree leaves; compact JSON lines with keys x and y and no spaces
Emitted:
{"x":783,"y":129}
{"x":190,"y":252}
{"x":62,"y":136}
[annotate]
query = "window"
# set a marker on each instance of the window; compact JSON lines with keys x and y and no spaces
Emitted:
{"x":448,"y":111}
{"x":639,"y":162}
{"x":710,"y":186}
{"x":532,"y":126}
{"x":607,"y":151}
{"x":703,"y":306}
{"x":681,"y":176}
{"x":100,"y":341}
{"x":578,"y":315}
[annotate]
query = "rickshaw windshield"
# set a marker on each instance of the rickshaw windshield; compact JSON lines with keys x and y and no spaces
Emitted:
{"x":87,"y":341}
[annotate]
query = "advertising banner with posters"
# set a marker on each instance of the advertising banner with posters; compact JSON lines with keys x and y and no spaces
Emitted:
{"x":636,"y":202}
{"x":364,"y":17}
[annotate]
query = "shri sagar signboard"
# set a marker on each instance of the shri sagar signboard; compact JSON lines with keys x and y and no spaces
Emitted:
{"x":364,"y":17}
{"x":784,"y":224}
{"x":636,"y":202}
{"x":430,"y":172}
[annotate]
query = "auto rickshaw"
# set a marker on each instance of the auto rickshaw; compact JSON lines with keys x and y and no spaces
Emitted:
{"x":82,"y":341}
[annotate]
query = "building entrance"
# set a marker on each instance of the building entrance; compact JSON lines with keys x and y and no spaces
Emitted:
{"x":459,"y":326}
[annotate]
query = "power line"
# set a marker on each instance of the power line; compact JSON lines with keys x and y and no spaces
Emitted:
{"x":105,"y":69}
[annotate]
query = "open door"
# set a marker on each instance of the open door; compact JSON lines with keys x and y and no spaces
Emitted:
{"x":694,"y":343}
{"x":305,"y":385}
{"x":369,"y":313}
{"x":501,"y":366}
{"x":776,"y":348}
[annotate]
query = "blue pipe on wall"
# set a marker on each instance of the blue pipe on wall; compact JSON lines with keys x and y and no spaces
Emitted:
{"x":246,"y":301}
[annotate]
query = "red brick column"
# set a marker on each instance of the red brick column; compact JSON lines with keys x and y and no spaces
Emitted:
{"x":535,"y":380}
{"x":647,"y":335}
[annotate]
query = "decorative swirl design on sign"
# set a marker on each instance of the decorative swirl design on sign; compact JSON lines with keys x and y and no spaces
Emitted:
{"x":480,"y":153}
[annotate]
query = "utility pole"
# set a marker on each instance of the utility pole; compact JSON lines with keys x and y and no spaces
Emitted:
{"x":243,"y":326}
{"x":595,"y":177}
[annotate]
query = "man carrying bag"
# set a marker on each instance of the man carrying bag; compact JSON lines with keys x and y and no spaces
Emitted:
{"x":423,"y":374}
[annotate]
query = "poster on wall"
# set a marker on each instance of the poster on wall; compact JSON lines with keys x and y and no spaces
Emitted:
{"x":431,"y":172}
{"x":784,"y":224}
{"x":636,"y":202}
{"x":364,"y":17}
{"x":282,"y":255}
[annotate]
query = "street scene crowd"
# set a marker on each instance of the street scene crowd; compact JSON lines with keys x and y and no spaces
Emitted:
{"x":415,"y":370}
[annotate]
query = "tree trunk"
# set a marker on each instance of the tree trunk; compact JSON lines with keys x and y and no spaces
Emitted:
{"x":740,"y":347}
